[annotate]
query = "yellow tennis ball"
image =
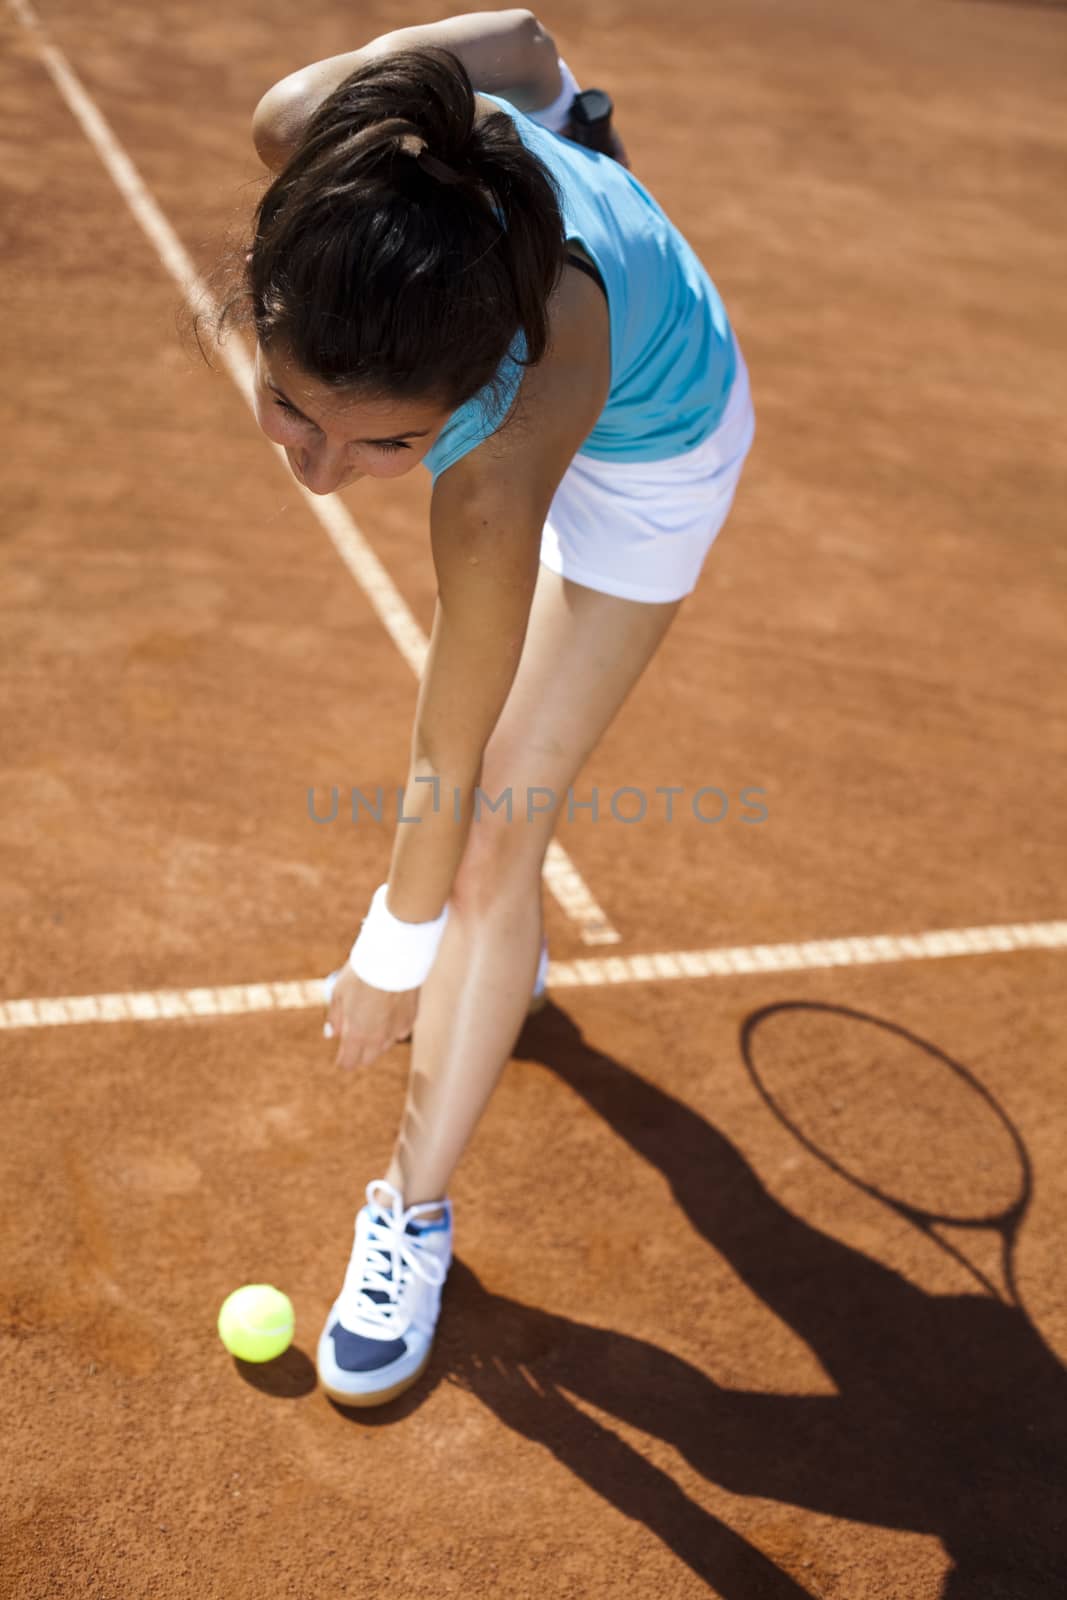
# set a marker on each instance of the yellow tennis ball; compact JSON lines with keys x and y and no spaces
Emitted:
{"x":256,"y":1322}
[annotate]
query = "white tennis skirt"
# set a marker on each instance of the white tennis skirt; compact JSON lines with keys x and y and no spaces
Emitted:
{"x":642,"y":529}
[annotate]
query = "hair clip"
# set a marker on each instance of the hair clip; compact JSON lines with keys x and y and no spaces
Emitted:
{"x":437,"y":169}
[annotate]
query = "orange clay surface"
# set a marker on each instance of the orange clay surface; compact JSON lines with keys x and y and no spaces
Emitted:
{"x":685,"y":1348}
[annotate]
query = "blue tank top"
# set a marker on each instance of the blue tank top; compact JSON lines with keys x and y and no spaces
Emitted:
{"x":672,"y":351}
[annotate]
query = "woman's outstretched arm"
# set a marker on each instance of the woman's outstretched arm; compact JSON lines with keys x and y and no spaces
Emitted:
{"x":487,"y":514}
{"x":508,"y":53}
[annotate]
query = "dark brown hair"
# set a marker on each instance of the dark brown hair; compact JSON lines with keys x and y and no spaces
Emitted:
{"x":403,"y":246}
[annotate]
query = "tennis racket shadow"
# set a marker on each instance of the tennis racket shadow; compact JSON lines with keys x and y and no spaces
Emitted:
{"x":950,"y":1416}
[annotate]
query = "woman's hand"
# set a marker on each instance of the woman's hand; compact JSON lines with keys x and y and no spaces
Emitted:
{"x":367,"y":1020}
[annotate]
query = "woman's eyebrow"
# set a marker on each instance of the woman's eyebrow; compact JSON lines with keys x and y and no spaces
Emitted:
{"x":413,"y":433}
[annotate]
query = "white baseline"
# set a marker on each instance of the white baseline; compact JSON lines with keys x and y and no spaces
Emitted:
{"x":244,"y":999}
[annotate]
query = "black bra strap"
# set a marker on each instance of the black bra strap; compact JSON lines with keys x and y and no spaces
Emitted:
{"x":590,"y":271}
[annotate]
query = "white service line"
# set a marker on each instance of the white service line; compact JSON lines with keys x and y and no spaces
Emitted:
{"x":243,"y":999}
{"x":561,"y":876}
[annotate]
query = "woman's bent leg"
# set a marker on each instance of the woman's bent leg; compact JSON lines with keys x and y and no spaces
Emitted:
{"x":584,"y":651}
{"x":469,"y":1018}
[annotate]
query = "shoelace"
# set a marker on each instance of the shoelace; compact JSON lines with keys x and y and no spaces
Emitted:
{"x":389,"y":1258}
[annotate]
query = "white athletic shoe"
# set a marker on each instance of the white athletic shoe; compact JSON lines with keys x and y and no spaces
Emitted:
{"x":379,"y":1333}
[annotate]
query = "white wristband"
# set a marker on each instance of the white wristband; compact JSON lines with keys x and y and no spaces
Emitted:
{"x":394,"y":955}
{"x":556,"y":116}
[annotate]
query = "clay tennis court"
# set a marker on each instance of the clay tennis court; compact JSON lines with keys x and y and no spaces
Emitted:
{"x":760,"y":1287}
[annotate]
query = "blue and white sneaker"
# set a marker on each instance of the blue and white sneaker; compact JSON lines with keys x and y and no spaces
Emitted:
{"x":379,"y":1333}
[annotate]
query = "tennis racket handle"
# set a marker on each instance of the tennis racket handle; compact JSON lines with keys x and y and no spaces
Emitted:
{"x":591,"y":113}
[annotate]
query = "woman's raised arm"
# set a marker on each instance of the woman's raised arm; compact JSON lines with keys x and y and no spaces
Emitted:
{"x":505,"y":52}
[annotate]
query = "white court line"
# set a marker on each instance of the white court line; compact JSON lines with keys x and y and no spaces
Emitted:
{"x":561,"y":876}
{"x":243,"y":999}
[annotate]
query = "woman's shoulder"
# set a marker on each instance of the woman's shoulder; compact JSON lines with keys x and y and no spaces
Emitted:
{"x":554,"y":408}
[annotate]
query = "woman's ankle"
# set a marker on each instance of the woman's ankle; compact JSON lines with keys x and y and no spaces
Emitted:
{"x":412,"y":1194}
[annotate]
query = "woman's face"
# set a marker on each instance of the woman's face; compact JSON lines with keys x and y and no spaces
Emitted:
{"x":331,"y":440}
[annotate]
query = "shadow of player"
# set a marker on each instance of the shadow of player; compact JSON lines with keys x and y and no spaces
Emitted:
{"x":950,"y":1417}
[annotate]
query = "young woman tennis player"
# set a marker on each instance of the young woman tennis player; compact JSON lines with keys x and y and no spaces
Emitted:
{"x":440,"y":275}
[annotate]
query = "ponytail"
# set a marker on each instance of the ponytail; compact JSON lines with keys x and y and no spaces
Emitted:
{"x":405,"y":245}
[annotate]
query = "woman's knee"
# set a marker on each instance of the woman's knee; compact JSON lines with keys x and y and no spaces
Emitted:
{"x":502,"y":858}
